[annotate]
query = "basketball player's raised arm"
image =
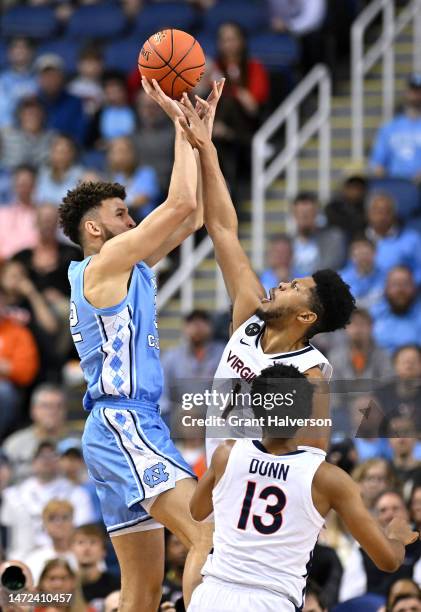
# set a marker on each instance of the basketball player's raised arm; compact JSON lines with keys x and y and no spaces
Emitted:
{"x":243,"y":285}
{"x":201,"y":505}
{"x":119,"y":254}
{"x":386,"y":549}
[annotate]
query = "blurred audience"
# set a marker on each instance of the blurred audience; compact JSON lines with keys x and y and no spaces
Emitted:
{"x":17,"y":80}
{"x":395,"y":245}
{"x":399,"y":588}
{"x":17,"y":219}
{"x":48,"y":416}
{"x":141,"y":182}
{"x":190,"y":365}
{"x":326,"y":571}
{"x":314,"y":247}
{"x":397,"y":149}
{"x":58,"y":577}
{"x":28,"y":142}
{"x":88,"y":547}
{"x":23,"y":503}
{"x":347,"y":208}
{"x":373,"y":477}
{"x":57,"y":519}
{"x":87,"y":83}
{"x":60,"y":174}
{"x":314,"y":600}
{"x":402,"y":434}
{"x":64,"y":111}
{"x":279,"y":259}
{"x":397,"y":318}
{"x":175,"y":559}
{"x":363,"y":274}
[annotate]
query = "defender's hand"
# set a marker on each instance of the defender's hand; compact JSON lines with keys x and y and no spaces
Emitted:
{"x":206,"y":109}
{"x":399,"y":529}
{"x":168,"y":105}
{"x":195,"y":128}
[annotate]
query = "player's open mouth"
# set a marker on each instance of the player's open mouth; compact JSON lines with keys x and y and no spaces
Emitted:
{"x":270,"y":298}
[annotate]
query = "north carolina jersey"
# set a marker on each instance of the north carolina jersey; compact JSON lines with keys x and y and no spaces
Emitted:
{"x":244,"y":358}
{"x":266,"y":525}
{"x":118,"y":346}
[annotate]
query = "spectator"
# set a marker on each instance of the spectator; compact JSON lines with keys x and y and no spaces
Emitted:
{"x":363,"y":274}
{"x":87,"y":83}
{"x":58,"y":578}
{"x":397,"y":149}
{"x":314,"y":247}
{"x":48,"y":262}
{"x":17,"y":220}
{"x":407,"y":603}
{"x":373,"y":476}
{"x":397,"y":318}
{"x":116,"y":118}
{"x":415,"y":505}
{"x":402,"y":396}
{"x":89,"y":549}
{"x":141,"y":182}
{"x":29,"y":306}
{"x":64,"y":112}
{"x":360,"y":574}
{"x":48,"y":416}
{"x":57,"y":518}
{"x":17,"y":81}
{"x":358,"y":356}
{"x":196,"y":357}
{"x":175,"y":559}
{"x":61,"y":174}
{"x":394,"y":246}
{"x":19,"y":363}
{"x":72,"y":467}
{"x":399,"y":588}
{"x":154,"y":139}
{"x":5,"y":479}
{"x":279,"y":262}
{"x":23,"y":503}
{"x":302,"y":19}
{"x":314,"y":601}
{"x":246,"y":91}
{"x":29,"y":142}
{"x":402,"y":439}
{"x":367,"y":418}
{"x":347,"y":209}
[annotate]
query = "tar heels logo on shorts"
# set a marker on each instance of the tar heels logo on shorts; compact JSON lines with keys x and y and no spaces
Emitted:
{"x":154,"y":475}
{"x":252,"y":329}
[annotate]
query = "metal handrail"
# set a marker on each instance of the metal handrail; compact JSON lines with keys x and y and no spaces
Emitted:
{"x":362,"y":60}
{"x":263,"y":173}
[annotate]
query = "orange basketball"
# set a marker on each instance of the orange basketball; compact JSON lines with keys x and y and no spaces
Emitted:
{"x":175,"y":59}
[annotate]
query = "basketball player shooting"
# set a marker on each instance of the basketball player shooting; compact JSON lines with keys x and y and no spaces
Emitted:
{"x":266,"y":329}
{"x":270,"y":501}
{"x":141,"y":478}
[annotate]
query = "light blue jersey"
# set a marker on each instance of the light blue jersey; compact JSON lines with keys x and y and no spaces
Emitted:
{"x":118,"y":346}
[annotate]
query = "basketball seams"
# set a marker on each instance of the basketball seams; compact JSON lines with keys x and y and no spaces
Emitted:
{"x":173,"y":68}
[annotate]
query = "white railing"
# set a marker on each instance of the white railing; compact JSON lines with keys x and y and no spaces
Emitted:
{"x":362,"y":60}
{"x":264,"y":173}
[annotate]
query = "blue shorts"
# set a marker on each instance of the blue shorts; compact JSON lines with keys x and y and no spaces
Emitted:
{"x":131,"y":459}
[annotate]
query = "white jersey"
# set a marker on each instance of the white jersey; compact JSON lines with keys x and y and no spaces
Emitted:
{"x":244,"y":358}
{"x":266,"y":525}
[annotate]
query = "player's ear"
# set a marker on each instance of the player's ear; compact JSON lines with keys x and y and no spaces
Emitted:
{"x":307,"y":317}
{"x":92,"y":228}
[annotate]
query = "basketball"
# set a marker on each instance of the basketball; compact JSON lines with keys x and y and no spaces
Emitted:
{"x":175,"y":59}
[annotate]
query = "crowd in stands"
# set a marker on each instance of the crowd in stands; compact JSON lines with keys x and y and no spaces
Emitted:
{"x":61,"y":124}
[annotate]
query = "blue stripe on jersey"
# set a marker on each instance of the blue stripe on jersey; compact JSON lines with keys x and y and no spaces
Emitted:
{"x":118,"y":346}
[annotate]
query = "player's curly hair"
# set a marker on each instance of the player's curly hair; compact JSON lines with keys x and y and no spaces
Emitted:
{"x":82,"y":199}
{"x":276,"y":381}
{"x":332,"y":301}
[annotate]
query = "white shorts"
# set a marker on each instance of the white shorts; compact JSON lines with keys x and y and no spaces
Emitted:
{"x":215,"y":595}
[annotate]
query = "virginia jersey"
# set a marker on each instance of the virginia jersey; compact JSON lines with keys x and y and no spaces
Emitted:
{"x":244,"y":358}
{"x":266,"y":525}
{"x":118,"y":346}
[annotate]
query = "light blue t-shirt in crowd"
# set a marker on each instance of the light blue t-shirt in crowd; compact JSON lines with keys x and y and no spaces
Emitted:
{"x":400,"y":248}
{"x":367,"y":289}
{"x":14,"y":86}
{"x":398,"y":147}
{"x":143,"y":182}
{"x":116,"y":121}
{"x":393,"y":330}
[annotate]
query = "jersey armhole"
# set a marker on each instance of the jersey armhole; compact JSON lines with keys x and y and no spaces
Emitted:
{"x":310,"y":508}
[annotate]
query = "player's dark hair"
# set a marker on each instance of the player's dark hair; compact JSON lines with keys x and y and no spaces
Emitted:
{"x":297,"y":396}
{"x":78,"y":202}
{"x":332,"y":301}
